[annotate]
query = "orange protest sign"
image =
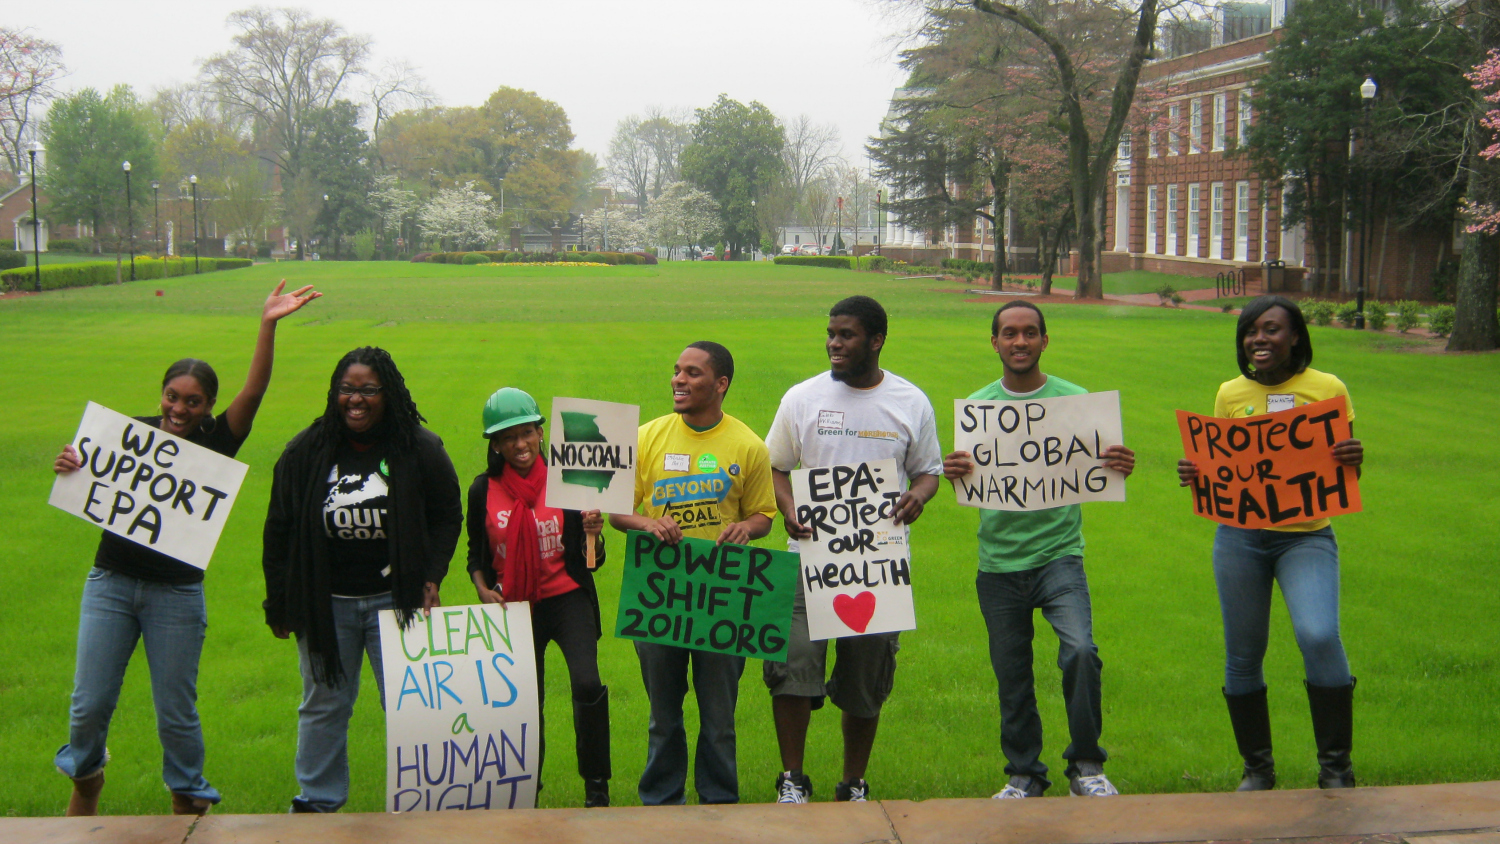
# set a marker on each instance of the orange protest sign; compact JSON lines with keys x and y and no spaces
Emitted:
{"x":1273,"y":469}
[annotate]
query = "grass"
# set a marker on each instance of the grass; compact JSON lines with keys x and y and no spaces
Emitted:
{"x":1418,"y":597}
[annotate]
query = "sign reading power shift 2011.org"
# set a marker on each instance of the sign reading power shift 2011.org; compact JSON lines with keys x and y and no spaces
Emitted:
{"x":1273,"y":469}
{"x":728,"y":599}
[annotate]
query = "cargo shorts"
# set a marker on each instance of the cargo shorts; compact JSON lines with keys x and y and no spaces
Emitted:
{"x":864,"y":670}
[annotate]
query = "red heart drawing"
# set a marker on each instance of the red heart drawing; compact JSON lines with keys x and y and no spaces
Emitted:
{"x":856,"y":611}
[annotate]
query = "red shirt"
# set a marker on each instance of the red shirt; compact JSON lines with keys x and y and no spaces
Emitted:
{"x":554,"y":577}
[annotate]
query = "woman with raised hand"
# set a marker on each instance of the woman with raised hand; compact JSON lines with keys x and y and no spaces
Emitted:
{"x":364,"y":517}
{"x":520,"y":549}
{"x":1275,"y":356}
{"x":134,"y":593}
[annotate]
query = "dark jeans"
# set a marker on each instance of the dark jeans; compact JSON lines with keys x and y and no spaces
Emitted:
{"x":716,"y":680}
{"x":568,"y":620}
{"x":1007,"y":600}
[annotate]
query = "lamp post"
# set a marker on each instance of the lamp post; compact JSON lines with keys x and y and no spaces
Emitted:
{"x":1367,"y":95}
{"x":36,"y":222}
{"x":838,"y":237}
{"x":156,"y":216}
{"x":129,"y":219}
{"x":755,"y":220}
{"x":193,"y":181}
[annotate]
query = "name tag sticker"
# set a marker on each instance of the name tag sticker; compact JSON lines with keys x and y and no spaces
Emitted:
{"x":1280,"y":401}
{"x":830,"y":420}
{"x":677,"y":463}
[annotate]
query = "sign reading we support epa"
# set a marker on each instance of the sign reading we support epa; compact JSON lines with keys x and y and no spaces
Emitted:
{"x":1035,"y":454}
{"x":1273,"y":469}
{"x":148,"y":486}
{"x":462,"y":728}
{"x":591,"y":455}
{"x":856,"y":568}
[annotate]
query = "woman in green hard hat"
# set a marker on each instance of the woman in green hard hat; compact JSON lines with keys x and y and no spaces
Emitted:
{"x":522,"y":550}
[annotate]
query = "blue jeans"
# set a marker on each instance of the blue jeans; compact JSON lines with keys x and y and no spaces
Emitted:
{"x":1008,"y":600}
{"x":1246,"y":562}
{"x":117,"y":611}
{"x":716,"y":679}
{"x":323,"y":717}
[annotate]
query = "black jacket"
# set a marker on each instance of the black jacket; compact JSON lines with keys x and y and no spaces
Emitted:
{"x":481,"y":556}
{"x":426,"y":516}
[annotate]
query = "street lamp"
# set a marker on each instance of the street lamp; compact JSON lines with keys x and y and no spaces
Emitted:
{"x":756,"y":220}
{"x":36,"y":222}
{"x":1367,"y":95}
{"x":193,"y":181}
{"x":155,"y":217}
{"x":129,"y":219}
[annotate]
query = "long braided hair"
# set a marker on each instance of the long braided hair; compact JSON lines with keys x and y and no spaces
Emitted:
{"x":402,"y":418}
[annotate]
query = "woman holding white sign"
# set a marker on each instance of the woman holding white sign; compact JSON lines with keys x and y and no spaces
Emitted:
{"x":1275,"y":352}
{"x":364,"y":516}
{"x":522,"y":550}
{"x":135,"y":593}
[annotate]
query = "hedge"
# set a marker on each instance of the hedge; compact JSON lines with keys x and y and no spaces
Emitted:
{"x":838,"y":262}
{"x":486,"y":257}
{"x":10,"y":259}
{"x":90,"y":273}
{"x":967,"y":266}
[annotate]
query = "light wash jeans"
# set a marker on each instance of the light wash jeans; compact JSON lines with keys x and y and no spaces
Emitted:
{"x":1246,"y":562}
{"x":716,"y":680}
{"x":117,"y":611}
{"x":323,"y":717}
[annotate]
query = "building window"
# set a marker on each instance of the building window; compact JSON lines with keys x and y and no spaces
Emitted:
{"x":1174,"y":122}
{"x":1194,"y":219}
{"x":1171,"y":219}
{"x":1151,"y":145}
{"x":1151,"y":210}
{"x":1242,"y":221}
{"x":1219,"y":118}
{"x":1124,"y":150}
{"x":1242,"y":131}
{"x":1216,"y":220}
{"x":1195,"y":125}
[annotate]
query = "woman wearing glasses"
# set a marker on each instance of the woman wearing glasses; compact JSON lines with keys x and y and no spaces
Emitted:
{"x":365,"y":513}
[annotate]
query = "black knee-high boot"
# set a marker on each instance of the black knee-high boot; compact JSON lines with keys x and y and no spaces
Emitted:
{"x":1333,"y":728}
{"x":591,"y":736}
{"x":1251,"y":719}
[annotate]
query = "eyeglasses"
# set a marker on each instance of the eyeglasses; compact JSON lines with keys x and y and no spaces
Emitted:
{"x":369,"y":391}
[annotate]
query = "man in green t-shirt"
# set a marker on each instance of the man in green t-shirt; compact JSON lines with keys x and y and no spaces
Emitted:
{"x":1032,"y":560}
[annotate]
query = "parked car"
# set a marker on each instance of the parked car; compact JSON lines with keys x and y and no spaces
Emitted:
{"x":810,"y":249}
{"x":789,"y":249}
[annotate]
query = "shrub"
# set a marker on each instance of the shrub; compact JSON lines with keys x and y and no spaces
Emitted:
{"x":1318,"y":312}
{"x":514,"y":258}
{"x":838,"y":262}
{"x":876,"y":263}
{"x":647,"y":258}
{"x":1375,"y":315}
{"x":91,"y":273}
{"x":472,"y":258}
{"x":1226,"y":307}
{"x":1177,"y":300}
{"x":364,"y":244}
{"x":1165,"y":293}
{"x":1346,"y":313}
{"x":10,"y":259}
{"x":64,"y":244}
{"x":1408,"y":315}
{"x":421,"y":257}
{"x":1440,"y":320}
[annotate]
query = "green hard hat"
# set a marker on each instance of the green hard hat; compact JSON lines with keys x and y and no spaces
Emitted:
{"x":509,"y":407}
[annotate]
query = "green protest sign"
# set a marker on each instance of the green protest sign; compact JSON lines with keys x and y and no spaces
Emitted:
{"x":729,"y":599}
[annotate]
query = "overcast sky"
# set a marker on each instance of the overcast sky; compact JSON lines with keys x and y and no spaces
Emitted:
{"x":601,"y":60}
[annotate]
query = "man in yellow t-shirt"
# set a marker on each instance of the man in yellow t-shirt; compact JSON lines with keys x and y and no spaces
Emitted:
{"x":704,"y":474}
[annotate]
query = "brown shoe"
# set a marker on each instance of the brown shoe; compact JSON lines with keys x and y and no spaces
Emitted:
{"x":182,"y":804}
{"x":85,"y":799}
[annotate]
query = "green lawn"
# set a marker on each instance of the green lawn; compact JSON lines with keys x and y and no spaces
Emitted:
{"x":1419,"y":609}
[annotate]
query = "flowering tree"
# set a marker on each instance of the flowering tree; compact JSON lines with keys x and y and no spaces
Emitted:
{"x":613,"y":228}
{"x":392,"y":203}
{"x":683,"y":216}
{"x":28,"y":67}
{"x":462,"y":214}
{"x":1475,"y":326}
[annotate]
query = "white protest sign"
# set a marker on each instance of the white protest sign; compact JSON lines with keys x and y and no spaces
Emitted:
{"x":152,"y":488}
{"x":461,"y":721}
{"x":591,"y":455}
{"x":856,"y":568}
{"x":1035,"y":454}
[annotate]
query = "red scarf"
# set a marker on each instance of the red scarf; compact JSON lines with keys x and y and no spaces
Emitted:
{"x":520,"y":574}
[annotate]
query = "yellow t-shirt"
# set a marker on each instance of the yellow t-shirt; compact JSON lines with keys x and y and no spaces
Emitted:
{"x":704,"y":481}
{"x":1244,"y":397}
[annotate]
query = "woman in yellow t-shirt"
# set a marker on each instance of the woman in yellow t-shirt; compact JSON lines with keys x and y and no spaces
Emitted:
{"x":1274,"y":351}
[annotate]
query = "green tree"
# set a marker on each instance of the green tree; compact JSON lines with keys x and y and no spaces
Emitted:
{"x":335,"y":158}
{"x":1475,"y":327}
{"x":89,"y":137}
{"x":734,"y":156}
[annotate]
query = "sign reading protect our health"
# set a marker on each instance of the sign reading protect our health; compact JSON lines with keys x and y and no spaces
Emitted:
{"x":1273,"y":469}
{"x":591,"y":455}
{"x":856,"y":568}
{"x":728,"y":599}
{"x":149,"y":486}
{"x":1035,"y":454}
{"x":462,"y":730}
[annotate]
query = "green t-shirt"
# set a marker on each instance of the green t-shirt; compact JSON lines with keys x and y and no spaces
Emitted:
{"x":1017,"y":541}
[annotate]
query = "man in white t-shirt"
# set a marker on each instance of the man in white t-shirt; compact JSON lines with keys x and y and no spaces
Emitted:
{"x":855,"y":412}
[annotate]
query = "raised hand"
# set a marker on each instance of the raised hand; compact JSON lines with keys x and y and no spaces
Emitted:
{"x":280,"y":304}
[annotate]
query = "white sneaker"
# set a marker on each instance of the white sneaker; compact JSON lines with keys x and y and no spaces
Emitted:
{"x":1009,"y":792}
{"x":1095,"y":786}
{"x":793,"y":788}
{"x":1019,"y":787}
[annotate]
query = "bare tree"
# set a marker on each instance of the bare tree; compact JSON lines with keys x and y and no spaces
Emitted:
{"x":816,"y":210}
{"x":395,"y":87}
{"x":285,"y":66}
{"x":667,"y":132}
{"x":28,"y":68}
{"x":810,"y":149}
{"x":632,"y":159}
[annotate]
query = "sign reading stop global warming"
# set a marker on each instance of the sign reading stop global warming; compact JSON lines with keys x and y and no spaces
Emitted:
{"x":591,"y":455}
{"x":1035,"y":454}
{"x":148,"y":486}
{"x":461,"y":720}
{"x":1273,"y":469}
{"x":856,"y":568}
{"x":728,"y":599}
